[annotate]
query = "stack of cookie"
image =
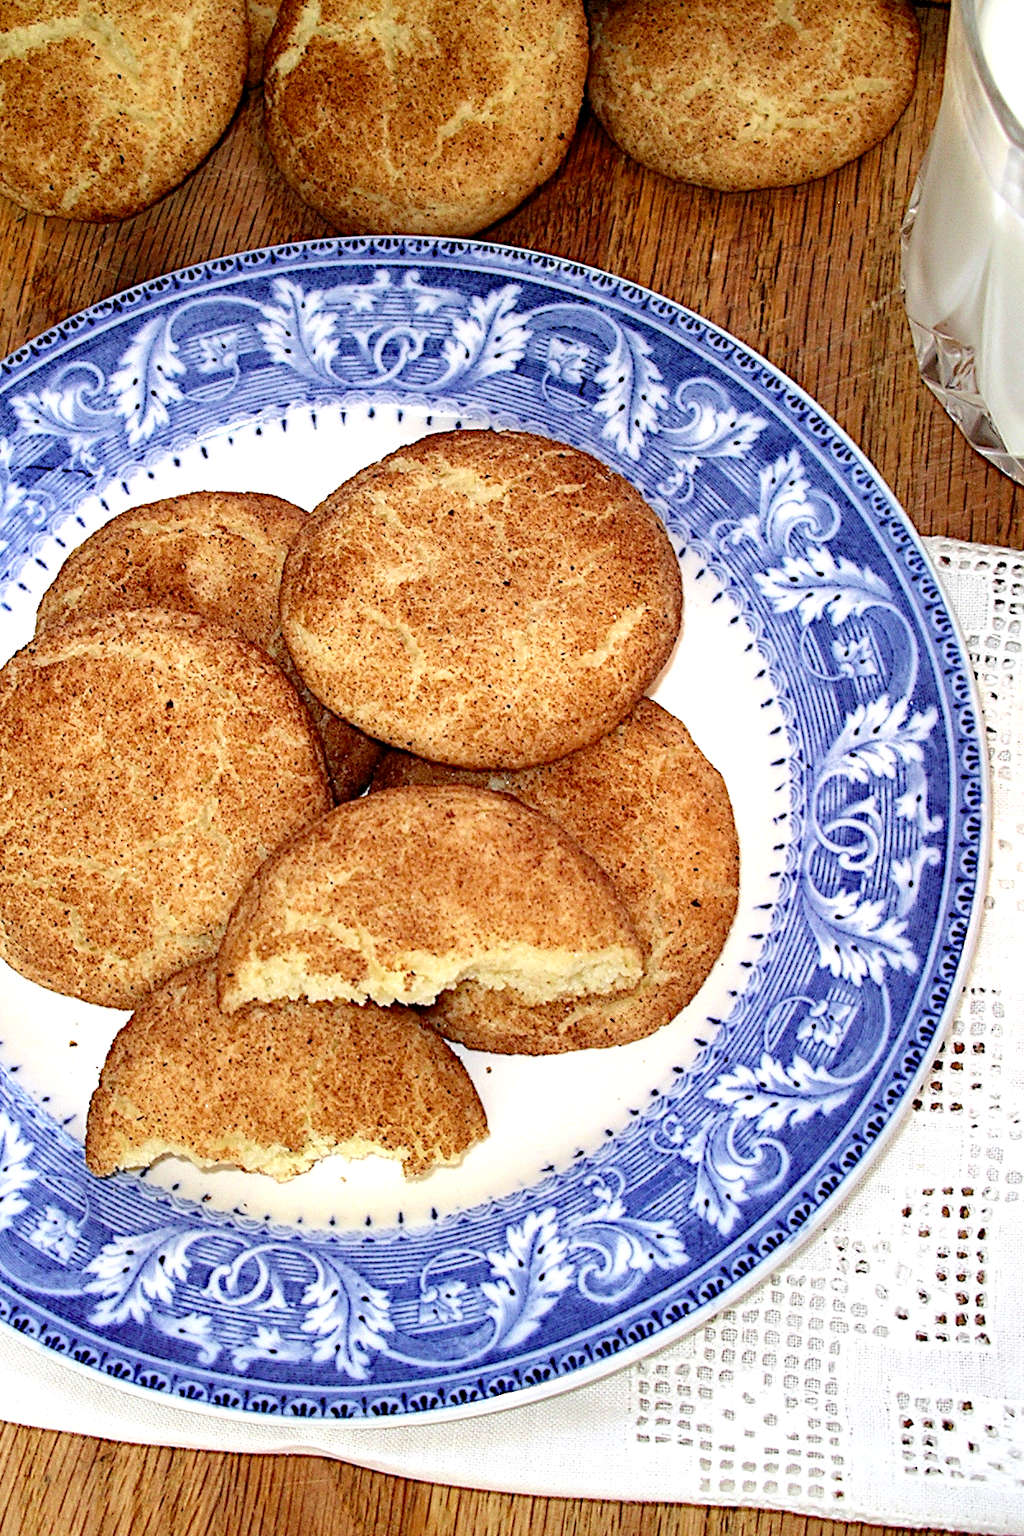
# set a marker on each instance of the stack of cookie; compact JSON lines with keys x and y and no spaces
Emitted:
{"x":494,"y":607}
{"x":543,"y":861}
{"x":426,"y":117}
{"x":431,"y":116}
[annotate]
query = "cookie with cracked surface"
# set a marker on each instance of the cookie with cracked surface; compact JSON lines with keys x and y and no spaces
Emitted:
{"x":216,"y":553}
{"x":425,"y":116}
{"x":485,"y":599}
{"x":276,"y":1087}
{"x":395,"y":896}
{"x":741,"y":94}
{"x":647,"y":805}
{"x":150,"y":761}
{"x":105,"y":108}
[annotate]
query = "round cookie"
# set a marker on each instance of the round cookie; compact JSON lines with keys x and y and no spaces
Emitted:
{"x":217,"y":553}
{"x":150,"y":761}
{"x":274,"y":1088}
{"x":103,"y":109}
{"x":425,"y":116}
{"x":740,"y":94}
{"x":395,"y":896}
{"x":482,"y":599}
{"x":647,"y":805}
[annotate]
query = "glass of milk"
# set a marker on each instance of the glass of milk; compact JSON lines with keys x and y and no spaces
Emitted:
{"x":963,"y":235}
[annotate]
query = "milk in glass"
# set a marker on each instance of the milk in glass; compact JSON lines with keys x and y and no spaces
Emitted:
{"x":963,"y":259}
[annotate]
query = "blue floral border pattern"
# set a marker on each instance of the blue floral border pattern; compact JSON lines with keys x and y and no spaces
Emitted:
{"x":878,"y":877}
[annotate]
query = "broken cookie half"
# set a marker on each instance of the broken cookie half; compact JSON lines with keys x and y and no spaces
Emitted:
{"x":274,"y":1088}
{"x":402,"y":894}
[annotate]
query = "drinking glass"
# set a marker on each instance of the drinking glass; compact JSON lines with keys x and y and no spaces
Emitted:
{"x":963,"y":234}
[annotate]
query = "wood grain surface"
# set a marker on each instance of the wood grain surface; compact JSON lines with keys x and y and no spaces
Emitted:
{"x":809,"y":277}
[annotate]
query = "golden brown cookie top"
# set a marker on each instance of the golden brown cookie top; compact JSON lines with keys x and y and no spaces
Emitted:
{"x":105,"y":108}
{"x":482,"y":598}
{"x":423,"y":116}
{"x":274,"y":1088}
{"x":216,"y":553}
{"x":397,"y":895}
{"x":647,"y":805}
{"x":739,"y":94}
{"x":150,"y":761}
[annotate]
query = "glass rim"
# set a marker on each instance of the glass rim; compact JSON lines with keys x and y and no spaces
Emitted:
{"x":1014,"y":130}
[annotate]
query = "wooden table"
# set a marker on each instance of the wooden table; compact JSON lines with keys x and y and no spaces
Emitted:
{"x":808,"y":277}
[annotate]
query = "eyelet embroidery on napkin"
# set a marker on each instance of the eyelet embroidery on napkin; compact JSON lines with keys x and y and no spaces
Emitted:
{"x":952,"y":1437}
{"x":897,"y":1331}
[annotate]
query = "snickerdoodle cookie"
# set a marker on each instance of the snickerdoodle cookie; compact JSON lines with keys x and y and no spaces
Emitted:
{"x":482,"y":599}
{"x":275,"y":1087}
{"x":739,"y":94}
{"x":150,"y":761}
{"x":397,"y":895}
{"x":105,"y":107}
{"x":422,"y":116}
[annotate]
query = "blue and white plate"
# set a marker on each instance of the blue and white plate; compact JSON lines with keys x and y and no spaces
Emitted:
{"x":622,"y":1195}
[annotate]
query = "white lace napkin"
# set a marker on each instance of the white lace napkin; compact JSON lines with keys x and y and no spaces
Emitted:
{"x":879,"y":1376}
